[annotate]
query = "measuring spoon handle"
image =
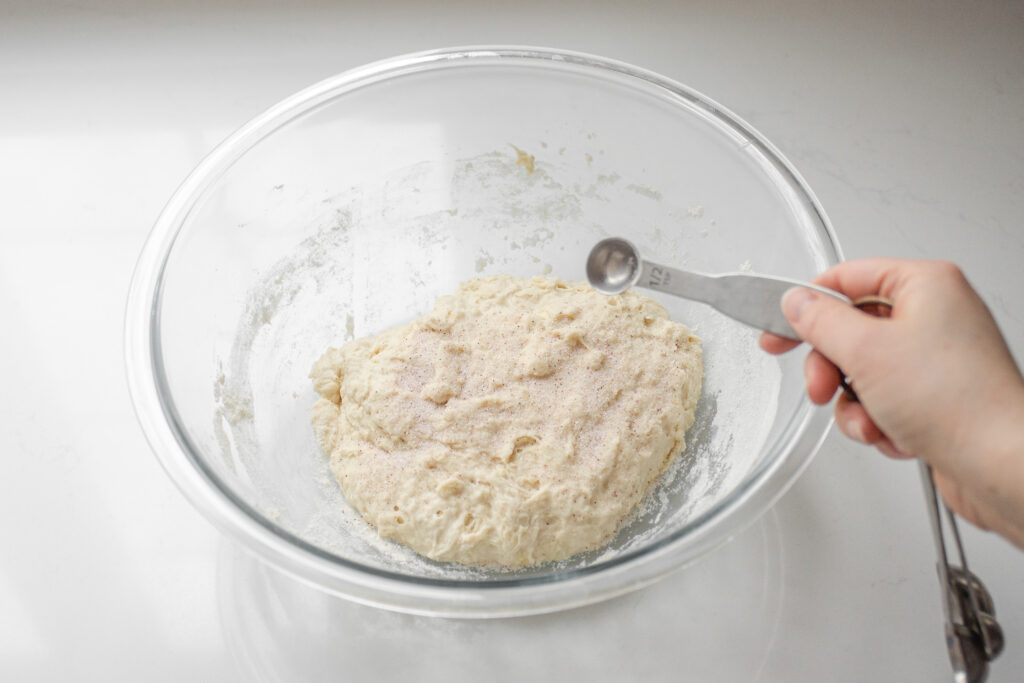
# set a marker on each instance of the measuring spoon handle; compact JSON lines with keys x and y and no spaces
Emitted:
{"x":751,"y":299}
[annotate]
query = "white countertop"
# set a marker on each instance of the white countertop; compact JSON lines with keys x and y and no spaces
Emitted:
{"x":907,"y":119}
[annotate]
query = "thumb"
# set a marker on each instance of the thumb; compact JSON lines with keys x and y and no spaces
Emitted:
{"x":837,"y":330}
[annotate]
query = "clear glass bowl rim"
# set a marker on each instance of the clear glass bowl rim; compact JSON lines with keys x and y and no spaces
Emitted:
{"x":504,"y":595}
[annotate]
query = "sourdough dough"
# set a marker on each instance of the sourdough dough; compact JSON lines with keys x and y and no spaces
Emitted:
{"x":519,"y":422}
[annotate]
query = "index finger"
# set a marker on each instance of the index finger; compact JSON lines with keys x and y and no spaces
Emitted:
{"x":867,"y":277}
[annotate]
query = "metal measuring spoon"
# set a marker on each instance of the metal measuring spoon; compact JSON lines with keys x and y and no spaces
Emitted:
{"x":973,"y":636}
{"x":614,"y":265}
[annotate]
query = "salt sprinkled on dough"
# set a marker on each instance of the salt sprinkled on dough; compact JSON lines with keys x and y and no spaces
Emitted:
{"x":519,"y":422}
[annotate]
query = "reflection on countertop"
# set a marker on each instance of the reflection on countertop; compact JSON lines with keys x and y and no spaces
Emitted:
{"x":714,"y":620}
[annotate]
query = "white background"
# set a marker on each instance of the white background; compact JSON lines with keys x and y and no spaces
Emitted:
{"x":906,"y":118}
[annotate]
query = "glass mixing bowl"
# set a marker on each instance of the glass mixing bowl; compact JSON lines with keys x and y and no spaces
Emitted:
{"x":351,"y":206}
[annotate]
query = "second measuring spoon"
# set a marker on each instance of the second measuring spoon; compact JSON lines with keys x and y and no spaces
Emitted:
{"x":614,"y":265}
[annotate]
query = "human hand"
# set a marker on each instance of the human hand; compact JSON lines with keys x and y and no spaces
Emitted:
{"x":935,"y":380}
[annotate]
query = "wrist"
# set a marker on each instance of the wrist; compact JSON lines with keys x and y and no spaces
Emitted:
{"x":991,"y":466}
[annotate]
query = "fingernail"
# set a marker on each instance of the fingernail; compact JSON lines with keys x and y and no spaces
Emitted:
{"x":794,"y":301}
{"x":855,"y":430}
